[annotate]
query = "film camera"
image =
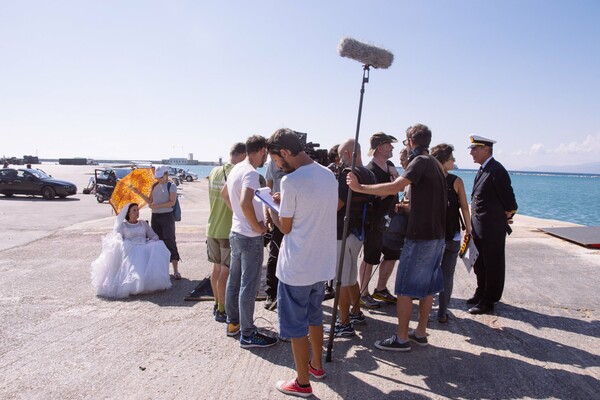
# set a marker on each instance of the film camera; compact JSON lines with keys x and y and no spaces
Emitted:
{"x":312,"y":150}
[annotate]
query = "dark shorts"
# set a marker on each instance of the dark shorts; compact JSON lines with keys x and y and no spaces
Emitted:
{"x":164,"y":226}
{"x":373,"y":248}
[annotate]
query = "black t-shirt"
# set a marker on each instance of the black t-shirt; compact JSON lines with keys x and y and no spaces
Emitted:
{"x":357,"y":204}
{"x":382,"y":206}
{"x":428,"y":199}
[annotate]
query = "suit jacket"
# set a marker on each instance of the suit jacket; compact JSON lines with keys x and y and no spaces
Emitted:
{"x":492,"y":195}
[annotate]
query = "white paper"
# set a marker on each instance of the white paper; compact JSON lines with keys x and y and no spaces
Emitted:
{"x":264,"y":195}
{"x":470,"y":255}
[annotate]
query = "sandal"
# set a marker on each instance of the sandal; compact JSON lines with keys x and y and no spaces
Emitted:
{"x":177,"y":276}
{"x":443,"y":320}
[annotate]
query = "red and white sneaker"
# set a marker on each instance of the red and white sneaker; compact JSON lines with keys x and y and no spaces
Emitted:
{"x":316,"y":373}
{"x":293,"y":388}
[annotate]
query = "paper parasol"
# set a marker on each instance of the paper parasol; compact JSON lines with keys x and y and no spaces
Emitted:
{"x":141,"y":179}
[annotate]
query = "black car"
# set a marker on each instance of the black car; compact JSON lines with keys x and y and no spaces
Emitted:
{"x":33,"y":182}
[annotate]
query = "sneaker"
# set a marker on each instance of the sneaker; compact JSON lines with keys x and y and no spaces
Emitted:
{"x":271,"y":303}
{"x":368,"y":302}
{"x":329,"y":293}
{"x":358,"y":319}
{"x":220,"y":316}
{"x":384,"y":295}
{"x":340,"y":330}
{"x":233,"y":329}
{"x":392,"y":344}
{"x":293,"y":388}
{"x":257,"y":340}
{"x":421,"y":341}
{"x":316,"y":373}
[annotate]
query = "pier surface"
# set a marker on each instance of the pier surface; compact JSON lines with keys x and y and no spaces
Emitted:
{"x":59,"y":341}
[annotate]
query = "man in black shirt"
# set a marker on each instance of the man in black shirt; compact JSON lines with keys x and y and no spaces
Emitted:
{"x":419,"y":274}
{"x":385,"y":171}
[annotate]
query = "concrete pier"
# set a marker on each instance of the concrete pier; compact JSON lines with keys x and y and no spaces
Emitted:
{"x":59,"y":341}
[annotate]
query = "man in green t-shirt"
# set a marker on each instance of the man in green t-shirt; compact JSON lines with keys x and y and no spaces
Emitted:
{"x":218,"y":227}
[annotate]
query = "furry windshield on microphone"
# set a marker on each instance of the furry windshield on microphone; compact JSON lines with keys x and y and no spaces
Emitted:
{"x":365,"y":53}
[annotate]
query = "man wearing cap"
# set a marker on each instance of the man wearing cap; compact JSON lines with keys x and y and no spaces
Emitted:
{"x":218,"y":227}
{"x":493,"y":205}
{"x":384,"y":171}
{"x":307,"y":255}
{"x":419,"y":274}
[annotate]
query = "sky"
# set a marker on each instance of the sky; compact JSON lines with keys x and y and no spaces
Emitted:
{"x":147,"y":80}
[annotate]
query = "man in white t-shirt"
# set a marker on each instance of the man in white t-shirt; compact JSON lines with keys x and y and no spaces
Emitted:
{"x":247,"y":245}
{"x":307,"y":218}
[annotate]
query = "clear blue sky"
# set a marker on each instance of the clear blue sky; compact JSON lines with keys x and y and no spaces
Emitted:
{"x":155,"y":79}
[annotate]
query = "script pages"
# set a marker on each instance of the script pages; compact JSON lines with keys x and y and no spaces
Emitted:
{"x":264,"y":195}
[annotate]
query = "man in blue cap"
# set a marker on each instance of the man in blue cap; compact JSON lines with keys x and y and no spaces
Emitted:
{"x":493,"y":205}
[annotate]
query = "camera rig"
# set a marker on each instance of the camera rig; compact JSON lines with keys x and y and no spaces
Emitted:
{"x":312,"y":149}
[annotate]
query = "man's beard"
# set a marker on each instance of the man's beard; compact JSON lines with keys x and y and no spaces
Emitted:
{"x":287,"y":167}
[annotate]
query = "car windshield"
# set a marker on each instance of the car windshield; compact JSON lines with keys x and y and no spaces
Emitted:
{"x":38,"y":174}
{"x":121,"y":172}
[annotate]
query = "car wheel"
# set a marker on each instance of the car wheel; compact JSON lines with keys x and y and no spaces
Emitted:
{"x":189,"y":178}
{"x":100,"y":198}
{"x":48,"y":192}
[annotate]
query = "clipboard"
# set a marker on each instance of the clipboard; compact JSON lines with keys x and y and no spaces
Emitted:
{"x":264,"y":195}
{"x":468,"y":252}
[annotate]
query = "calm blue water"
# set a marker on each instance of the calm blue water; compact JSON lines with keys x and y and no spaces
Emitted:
{"x":564,"y":197}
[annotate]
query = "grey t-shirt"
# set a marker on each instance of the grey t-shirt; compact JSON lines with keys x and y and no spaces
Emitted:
{"x":161,"y":195}
{"x":275,"y":174}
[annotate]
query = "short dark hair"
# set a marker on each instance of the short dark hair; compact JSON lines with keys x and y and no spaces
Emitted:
{"x":238,"y":148}
{"x":420,"y":134}
{"x":255,"y":143}
{"x":332,"y":154}
{"x":284,"y":139}
{"x":442,"y":152}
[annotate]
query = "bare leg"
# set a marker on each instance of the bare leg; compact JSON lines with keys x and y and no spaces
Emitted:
{"x":316,"y":344}
{"x":301,"y":352}
{"x":364,"y":273}
{"x":344,"y":305}
{"x":355,"y":298}
{"x":385,"y":271}
{"x":222,"y":284}
{"x":424,"y":309}
{"x":404,"y":308}
{"x":175,"y":263}
{"x":214,"y":280}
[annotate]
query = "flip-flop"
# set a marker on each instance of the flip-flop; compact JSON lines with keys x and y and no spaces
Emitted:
{"x":177,"y":276}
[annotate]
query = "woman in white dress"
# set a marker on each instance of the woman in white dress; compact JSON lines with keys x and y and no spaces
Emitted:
{"x":133,"y":259}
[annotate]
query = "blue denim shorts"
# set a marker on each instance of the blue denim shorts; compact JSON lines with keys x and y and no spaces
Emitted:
{"x":419,"y":273}
{"x":298,"y":307}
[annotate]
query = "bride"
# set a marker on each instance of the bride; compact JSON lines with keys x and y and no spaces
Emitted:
{"x":133,"y":259}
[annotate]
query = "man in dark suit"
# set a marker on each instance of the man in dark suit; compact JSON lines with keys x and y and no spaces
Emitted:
{"x":493,"y":205}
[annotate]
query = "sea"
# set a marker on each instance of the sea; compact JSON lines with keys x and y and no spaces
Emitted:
{"x":560,"y":196}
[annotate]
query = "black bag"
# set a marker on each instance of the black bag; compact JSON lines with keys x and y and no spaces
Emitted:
{"x":393,"y":237}
{"x":176,"y":207}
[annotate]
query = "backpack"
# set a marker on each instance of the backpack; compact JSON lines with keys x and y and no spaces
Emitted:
{"x":176,"y":207}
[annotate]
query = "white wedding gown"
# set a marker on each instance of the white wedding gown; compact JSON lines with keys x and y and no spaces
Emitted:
{"x":132,"y":261}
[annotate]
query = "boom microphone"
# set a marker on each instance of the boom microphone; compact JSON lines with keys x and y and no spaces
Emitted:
{"x":365,"y":53}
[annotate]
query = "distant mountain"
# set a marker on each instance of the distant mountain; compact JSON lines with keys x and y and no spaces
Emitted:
{"x":587,"y":168}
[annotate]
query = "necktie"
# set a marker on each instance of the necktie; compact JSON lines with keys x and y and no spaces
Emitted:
{"x":478,"y":173}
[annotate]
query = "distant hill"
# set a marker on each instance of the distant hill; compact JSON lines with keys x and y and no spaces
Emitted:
{"x":587,"y":168}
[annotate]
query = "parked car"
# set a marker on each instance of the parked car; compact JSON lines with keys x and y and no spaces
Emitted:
{"x":174,"y":175}
{"x":106,"y":180}
{"x":188,"y":175}
{"x":34,"y":182}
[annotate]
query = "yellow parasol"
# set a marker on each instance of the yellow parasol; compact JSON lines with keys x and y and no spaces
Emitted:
{"x":141,"y":179}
